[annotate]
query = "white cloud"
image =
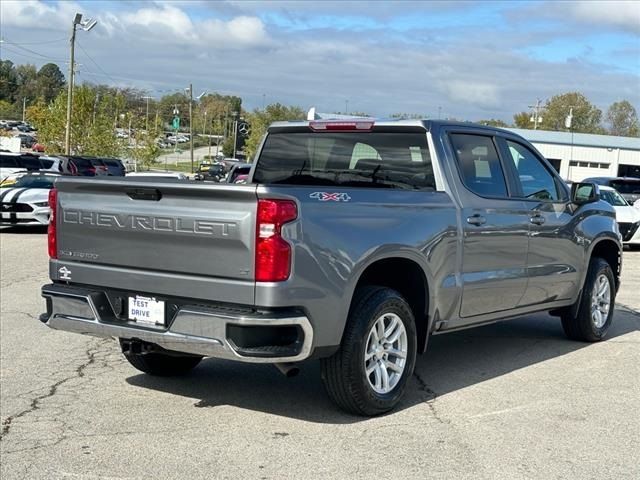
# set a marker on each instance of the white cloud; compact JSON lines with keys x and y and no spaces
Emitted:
{"x":474,"y":92}
{"x":238,"y":32}
{"x":37,"y":14}
{"x":623,"y":14}
{"x":162,"y":21}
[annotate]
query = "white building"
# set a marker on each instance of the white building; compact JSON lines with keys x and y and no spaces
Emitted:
{"x":580,"y":155}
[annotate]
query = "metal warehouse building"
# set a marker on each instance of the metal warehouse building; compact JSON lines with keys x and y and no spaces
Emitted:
{"x":579,"y":155}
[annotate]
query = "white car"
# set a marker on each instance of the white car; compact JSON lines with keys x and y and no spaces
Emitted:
{"x":637,"y":204}
{"x":628,"y":217}
{"x":158,"y":175}
{"x":27,"y":201}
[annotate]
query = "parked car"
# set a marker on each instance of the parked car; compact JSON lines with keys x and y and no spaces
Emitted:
{"x":82,"y":166}
{"x":12,"y":163}
{"x":26,"y":141}
{"x":27,"y":202}
{"x":38,"y":147}
{"x":628,"y":187}
{"x":158,"y":175}
{"x":352,"y":242}
{"x":627,"y":216}
{"x":210,"y":171}
{"x":239,"y":173}
{"x":99,"y":165}
{"x":115,"y":167}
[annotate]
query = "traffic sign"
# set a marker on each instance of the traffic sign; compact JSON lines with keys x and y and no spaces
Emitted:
{"x":176,"y":123}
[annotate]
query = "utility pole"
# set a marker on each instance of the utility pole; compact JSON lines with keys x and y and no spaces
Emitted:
{"x":346,"y":107}
{"x":86,"y":25}
{"x":67,"y":133}
{"x":191,"y":123}
{"x":235,"y":132}
{"x":147,"y":97}
{"x":24,"y":108}
{"x":536,"y":118}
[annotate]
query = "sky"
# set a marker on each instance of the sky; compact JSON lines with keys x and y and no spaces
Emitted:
{"x":468,"y":60}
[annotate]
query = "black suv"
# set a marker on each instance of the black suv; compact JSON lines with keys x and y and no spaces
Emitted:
{"x":115,"y":166}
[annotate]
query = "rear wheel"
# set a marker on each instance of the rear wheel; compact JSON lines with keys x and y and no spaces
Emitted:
{"x":368,"y":375}
{"x":596,"y":305}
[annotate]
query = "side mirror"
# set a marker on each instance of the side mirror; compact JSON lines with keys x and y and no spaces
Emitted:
{"x":583,"y":193}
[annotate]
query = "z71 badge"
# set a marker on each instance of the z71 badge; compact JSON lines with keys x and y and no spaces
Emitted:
{"x":330,"y":197}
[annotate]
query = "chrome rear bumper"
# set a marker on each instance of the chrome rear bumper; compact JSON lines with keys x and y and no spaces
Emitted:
{"x":194,"y":329}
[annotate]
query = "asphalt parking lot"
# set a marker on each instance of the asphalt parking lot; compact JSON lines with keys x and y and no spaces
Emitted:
{"x":510,"y":400}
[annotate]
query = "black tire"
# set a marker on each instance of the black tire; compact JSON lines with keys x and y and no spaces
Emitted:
{"x":344,"y":375}
{"x":580,"y":326}
{"x":162,"y":365}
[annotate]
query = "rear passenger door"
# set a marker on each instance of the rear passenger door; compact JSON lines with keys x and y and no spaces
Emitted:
{"x":495,"y":228}
{"x":555,"y":250}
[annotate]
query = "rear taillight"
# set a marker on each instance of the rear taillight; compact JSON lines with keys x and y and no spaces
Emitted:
{"x":51,"y":229}
{"x":273,"y":253}
{"x":92,"y":170}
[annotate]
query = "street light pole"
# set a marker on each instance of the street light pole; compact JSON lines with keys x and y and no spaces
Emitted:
{"x":191,"y":123}
{"x":67,"y":133}
{"x":24,"y":108}
{"x":147,"y":97}
{"x":235,"y":132}
{"x":86,"y":25}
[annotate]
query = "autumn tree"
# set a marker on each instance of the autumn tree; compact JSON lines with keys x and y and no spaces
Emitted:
{"x":522,"y":120}
{"x":493,"y":122}
{"x":586,"y":116}
{"x":623,"y":119}
{"x":92,"y":129}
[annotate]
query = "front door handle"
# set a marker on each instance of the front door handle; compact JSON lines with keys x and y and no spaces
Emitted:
{"x":537,"y":219}
{"x":476,"y":220}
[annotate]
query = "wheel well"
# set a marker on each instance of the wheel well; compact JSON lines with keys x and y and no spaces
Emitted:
{"x":608,"y":250}
{"x":407,"y":278}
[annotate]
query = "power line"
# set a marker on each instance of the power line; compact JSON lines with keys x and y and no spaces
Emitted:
{"x":44,"y":42}
{"x":39,"y":57}
{"x":95,"y":63}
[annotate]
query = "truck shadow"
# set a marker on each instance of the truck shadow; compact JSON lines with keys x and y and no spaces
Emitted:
{"x":453,"y":361}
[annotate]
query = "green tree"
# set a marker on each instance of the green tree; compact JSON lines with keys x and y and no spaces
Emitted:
{"x":227,"y":146}
{"x":92,"y":130}
{"x":50,"y":81}
{"x":8,"y":81}
{"x":493,"y":122}
{"x":586,"y":116}
{"x":261,"y":119}
{"x":7,"y":110}
{"x":623,"y":119}
{"x":522,"y":120}
{"x":145,"y":150}
{"x":26,"y":83}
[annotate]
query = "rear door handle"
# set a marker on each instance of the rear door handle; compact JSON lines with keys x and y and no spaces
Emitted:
{"x":537,"y":219}
{"x":476,"y":220}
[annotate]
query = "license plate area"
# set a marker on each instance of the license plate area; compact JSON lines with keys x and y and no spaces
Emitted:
{"x":146,"y":311}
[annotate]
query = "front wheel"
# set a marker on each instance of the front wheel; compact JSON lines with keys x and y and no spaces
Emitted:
{"x":596,"y":305}
{"x":368,"y":375}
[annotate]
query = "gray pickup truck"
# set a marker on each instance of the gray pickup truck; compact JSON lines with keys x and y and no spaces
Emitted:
{"x":352,"y":242}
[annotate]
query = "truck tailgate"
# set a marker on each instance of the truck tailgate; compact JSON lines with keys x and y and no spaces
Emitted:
{"x":155,"y":231}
